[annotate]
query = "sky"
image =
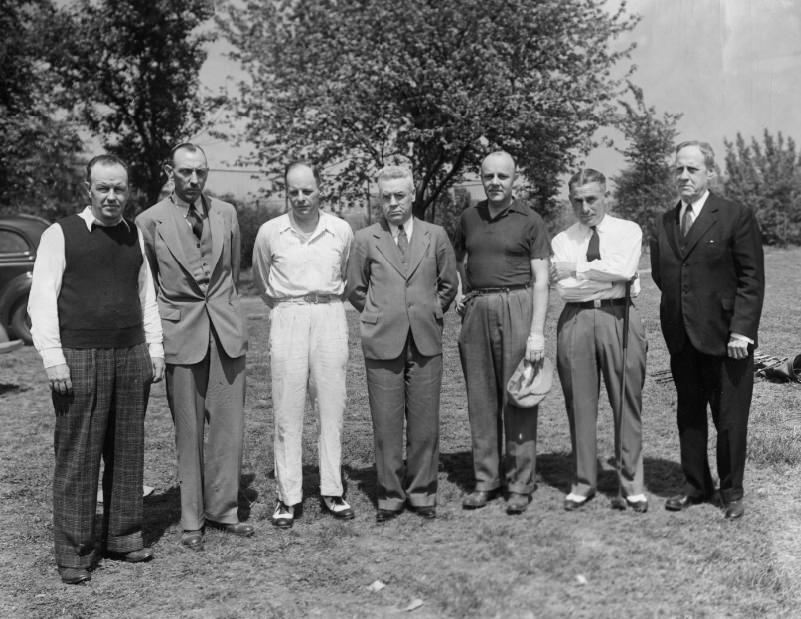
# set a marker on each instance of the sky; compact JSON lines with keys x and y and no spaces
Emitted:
{"x":727,"y":65}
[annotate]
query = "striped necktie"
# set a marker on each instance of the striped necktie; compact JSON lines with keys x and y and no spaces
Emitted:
{"x":195,"y":220}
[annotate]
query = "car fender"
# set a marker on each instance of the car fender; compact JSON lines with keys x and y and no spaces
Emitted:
{"x":18,"y":288}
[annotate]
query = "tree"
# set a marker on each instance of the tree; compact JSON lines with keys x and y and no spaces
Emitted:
{"x":645,"y":188}
{"x":133,"y":68}
{"x":39,"y":168}
{"x":357,"y":84}
{"x":768,"y":179}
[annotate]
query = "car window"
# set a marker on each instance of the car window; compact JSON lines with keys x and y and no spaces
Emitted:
{"x":12,"y":243}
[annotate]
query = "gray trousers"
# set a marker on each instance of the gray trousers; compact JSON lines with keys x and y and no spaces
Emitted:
{"x":213,"y":392}
{"x":407,"y":387}
{"x":491,"y":344}
{"x":589,"y":344}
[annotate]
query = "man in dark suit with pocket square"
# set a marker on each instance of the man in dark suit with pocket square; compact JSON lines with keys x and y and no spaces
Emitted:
{"x":707,"y":260}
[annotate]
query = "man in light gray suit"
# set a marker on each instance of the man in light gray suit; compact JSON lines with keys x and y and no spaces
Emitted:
{"x":192,"y":244}
{"x":402,"y":278}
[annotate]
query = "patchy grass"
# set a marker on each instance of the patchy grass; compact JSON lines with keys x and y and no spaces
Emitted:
{"x":544,"y":563}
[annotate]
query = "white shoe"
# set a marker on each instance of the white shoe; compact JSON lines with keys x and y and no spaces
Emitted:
{"x":283,"y":516}
{"x":338,"y":507}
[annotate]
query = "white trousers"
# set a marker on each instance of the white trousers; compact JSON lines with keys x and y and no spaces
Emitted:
{"x":308,"y":351}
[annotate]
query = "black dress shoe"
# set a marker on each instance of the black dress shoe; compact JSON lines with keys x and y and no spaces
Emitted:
{"x":284,"y":515}
{"x":74,"y":575}
{"x":429,"y":512}
{"x":383,"y":515}
{"x":683,"y":501}
{"x":338,"y":507}
{"x":517,"y":503}
{"x":478,"y":498}
{"x":135,"y":556}
{"x":734,"y":510}
{"x":241,"y":529}
{"x":192,"y":540}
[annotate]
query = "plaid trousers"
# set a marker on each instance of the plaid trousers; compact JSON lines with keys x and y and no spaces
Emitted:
{"x":104,"y":415}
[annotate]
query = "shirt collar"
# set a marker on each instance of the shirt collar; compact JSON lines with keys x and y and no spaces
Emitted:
{"x":407,"y":227}
{"x":324,"y":223}
{"x":603,"y":225}
{"x":697,"y":205}
{"x":183,"y":205}
{"x":89,"y":219}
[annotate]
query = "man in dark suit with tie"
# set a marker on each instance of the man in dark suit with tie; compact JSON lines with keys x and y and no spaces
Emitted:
{"x":192,"y":244}
{"x":707,"y":260}
{"x":402,"y":278}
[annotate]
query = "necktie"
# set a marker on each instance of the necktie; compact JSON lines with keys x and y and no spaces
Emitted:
{"x":594,"y":248}
{"x":403,"y":242}
{"x":195,"y":220}
{"x":687,"y":220}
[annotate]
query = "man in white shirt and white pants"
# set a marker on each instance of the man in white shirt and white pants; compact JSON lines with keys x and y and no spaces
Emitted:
{"x":592,"y":262}
{"x":299,"y":265}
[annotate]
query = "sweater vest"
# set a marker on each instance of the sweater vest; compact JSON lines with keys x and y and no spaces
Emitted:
{"x":98,"y":306}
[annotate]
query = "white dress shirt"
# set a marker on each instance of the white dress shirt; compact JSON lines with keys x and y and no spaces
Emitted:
{"x":620,"y":244}
{"x":696,"y":207}
{"x":48,"y":271}
{"x":288,"y":263}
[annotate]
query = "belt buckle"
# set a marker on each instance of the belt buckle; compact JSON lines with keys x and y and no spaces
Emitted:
{"x":596,"y":303}
{"x":313,"y":297}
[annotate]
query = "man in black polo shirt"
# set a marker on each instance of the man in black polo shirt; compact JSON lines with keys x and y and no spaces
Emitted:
{"x":96,"y":325}
{"x":502,"y":251}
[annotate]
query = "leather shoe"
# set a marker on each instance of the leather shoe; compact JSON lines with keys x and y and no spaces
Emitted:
{"x":240,"y":529}
{"x":429,"y":512}
{"x":683,"y":501}
{"x":284,"y":515}
{"x":192,"y":540}
{"x":383,"y":515}
{"x":338,"y":507}
{"x":478,"y":498}
{"x":574,"y":501}
{"x":734,"y":510}
{"x":135,"y":556}
{"x":517,"y":503}
{"x":638,"y":506}
{"x":74,"y":575}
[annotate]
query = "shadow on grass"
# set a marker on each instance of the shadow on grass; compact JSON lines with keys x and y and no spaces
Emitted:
{"x":365,"y":478}
{"x":662,"y":477}
{"x":163,"y":510}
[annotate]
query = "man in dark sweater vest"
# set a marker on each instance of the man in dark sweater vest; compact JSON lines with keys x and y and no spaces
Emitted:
{"x":95,"y":323}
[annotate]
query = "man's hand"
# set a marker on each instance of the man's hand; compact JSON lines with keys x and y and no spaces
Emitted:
{"x":535,"y":347}
{"x":561,"y":270}
{"x":59,"y":377}
{"x":157,"y":363}
{"x":737,"y":348}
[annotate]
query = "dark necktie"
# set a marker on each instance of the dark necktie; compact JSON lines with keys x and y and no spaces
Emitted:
{"x":594,"y":248}
{"x":195,"y":220}
{"x":403,"y":242}
{"x":687,"y":220}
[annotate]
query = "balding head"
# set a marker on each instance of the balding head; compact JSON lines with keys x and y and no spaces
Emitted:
{"x":498,"y":173}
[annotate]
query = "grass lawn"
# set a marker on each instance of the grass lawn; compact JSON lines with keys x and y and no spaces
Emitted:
{"x":595,"y":562}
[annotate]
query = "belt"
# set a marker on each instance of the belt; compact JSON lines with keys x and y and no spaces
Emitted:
{"x":313,"y":297}
{"x":597,"y":303}
{"x":499,"y":289}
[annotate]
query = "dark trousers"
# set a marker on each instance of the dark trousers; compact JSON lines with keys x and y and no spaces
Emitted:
{"x":407,"y":387}
{"x":491,"y":344}
{"x":103,"y":416}
{"x":725,"y":384}
{"x":590,"y":344}
{"x":209,"y":463}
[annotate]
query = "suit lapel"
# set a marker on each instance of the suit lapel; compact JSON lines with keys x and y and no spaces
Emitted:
{"x":387,"y":248}
{"x":217,"y":230}
{"x":704,"y":221}
{"x":170,"y":228}
{"x":417,"y":247}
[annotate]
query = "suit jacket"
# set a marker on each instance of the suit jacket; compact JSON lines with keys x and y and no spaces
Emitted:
{"x":713,"y":281}
{"x":187,"y":312}
{"x":394,"y":298}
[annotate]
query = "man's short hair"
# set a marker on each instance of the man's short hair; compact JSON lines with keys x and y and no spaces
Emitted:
{"x":495,"y":153}
{"x":104,"y":160}
{"x":706,"y":151}
{"x":306,"y":163}
{"x":585,"y":176}
{"x":391,"y":172}
{"x":192,"y":148}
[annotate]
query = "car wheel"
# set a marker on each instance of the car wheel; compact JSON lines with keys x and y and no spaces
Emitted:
{"x":20,"y":323}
